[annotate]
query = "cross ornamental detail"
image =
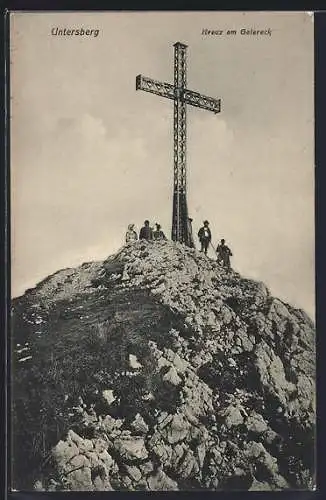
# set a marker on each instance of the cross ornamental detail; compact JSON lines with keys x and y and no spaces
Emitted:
{"x":181,"y":226}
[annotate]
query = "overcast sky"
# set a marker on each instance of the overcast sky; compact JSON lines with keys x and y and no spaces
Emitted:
{"x":89,"y":154}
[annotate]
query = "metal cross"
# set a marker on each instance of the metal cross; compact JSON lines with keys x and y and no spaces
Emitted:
{"x":181,"y":225}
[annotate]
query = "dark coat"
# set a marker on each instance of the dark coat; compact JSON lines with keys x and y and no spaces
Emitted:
{"x":201,"y":233}
{"x":159,"y":235}
{"x":224,"y":254}
{"x":146,"y":233}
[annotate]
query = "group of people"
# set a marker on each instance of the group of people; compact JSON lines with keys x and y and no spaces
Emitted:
{"x":146,"y":233}
{"x":223,"y":252}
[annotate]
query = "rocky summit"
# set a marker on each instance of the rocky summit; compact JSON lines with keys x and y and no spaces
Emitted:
{"x":157,"y":369}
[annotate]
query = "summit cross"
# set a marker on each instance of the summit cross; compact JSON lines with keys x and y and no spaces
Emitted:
{"x":181,"y":225}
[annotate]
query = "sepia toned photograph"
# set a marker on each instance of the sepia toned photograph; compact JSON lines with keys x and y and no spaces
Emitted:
{"x":162,"y":331}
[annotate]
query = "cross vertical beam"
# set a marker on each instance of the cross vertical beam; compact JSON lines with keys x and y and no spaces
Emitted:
{"x":180,"y":211}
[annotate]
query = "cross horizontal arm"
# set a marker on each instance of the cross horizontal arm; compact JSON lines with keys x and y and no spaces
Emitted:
{"x":202,"y":101}
{"x":167,"y":90}
{"x":154,"y":86}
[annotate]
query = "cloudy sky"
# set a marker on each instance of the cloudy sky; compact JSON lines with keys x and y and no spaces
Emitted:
{"x":89,"y":154}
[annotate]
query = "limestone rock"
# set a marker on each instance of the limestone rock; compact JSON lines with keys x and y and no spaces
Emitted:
{"x":172,"y":377}
{"x":233,"y":416}
{"x":64,"y":451}
{"x":102,"y":485}
{"x":134,"y":473}
{"x":134,"y":363}
{"x":82,"y":444}
{"x":108,"y":396}
{"x":109,"y":423}
{"x":177,"y":430}
{"x":139,"y":425}
{"x":171,"y":374}
{"x":188,"y":466}
{"x":161,"y":482}
{"x":260,"y":486}
{"x":256,"y":423}
{"x":131,"y":448}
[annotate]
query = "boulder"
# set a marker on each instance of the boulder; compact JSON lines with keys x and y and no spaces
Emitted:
{"x":232,"y":416}
{"x":108,"y":396}
{"x":139,"y":425}
{"x":172,"y":377}
{"x":131,"y":448}
{"x":177,"y":429}
{"x":161,"y":482}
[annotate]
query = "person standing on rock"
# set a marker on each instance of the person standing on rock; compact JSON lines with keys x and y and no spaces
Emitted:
{"x":223,"y":254}
{"x":158,"y":233}
{"x":146,"y":232}
{"x":131,"y":234}
{"x":190,"y":241}
{"x":205,"y":236}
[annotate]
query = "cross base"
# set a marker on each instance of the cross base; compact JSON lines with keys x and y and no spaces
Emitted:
{"x":181,"y":224}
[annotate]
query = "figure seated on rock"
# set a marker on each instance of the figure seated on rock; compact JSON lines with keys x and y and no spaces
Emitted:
{"x":146,"y":232}
{"x":158,"y":233}
{"x":131,"y":234}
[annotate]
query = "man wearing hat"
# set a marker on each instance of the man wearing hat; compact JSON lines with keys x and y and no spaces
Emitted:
{"x":223,"y":254}
{"x":204,"y":235}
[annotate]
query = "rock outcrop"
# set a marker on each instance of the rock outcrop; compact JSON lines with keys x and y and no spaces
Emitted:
{"x":159,"y":370}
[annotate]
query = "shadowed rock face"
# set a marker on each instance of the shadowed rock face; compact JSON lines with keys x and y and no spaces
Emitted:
{"x":158,"y":370}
